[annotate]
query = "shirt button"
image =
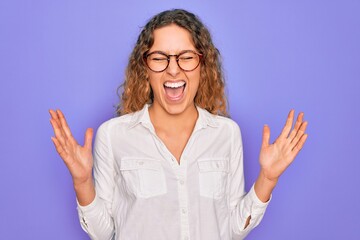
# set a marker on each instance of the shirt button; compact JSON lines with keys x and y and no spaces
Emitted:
{"x":217,"y":165}
{"x":182,"y":182}
{"x":141,"y":163}
{"x":183,"y":211}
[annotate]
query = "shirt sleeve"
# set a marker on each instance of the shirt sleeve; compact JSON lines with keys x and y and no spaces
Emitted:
{"x":96,"y":218}
{"x":242,"y":204}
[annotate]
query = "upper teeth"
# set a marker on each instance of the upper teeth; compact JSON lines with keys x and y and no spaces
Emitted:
{"x":174,"y":84}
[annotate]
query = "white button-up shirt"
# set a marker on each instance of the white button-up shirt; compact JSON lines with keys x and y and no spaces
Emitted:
{"x":142,"y":192}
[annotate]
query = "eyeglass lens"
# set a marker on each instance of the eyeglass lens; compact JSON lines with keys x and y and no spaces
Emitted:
{"x":158,"y":61}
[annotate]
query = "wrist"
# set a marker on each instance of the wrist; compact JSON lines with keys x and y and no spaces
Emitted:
{"x":85,"y":192}
{"x":267,"y":182}
{"x":82,"y":181}
{"x":264,"y":187}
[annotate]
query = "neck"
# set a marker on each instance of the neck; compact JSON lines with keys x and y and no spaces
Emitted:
{"x":165,"y":121}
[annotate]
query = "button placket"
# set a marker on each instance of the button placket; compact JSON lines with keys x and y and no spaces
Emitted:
{"x":183,"y":201}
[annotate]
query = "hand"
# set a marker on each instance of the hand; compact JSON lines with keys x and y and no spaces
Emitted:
{"x":276,"y":157}
{"x":78,"y":159}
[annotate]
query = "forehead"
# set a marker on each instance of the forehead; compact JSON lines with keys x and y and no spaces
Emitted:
{"x":172,"y":39}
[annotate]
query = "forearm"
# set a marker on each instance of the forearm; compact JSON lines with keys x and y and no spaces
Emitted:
{"x":264,"y":187}
{"x":247,"y":214}
{"x":95,"y":204}
{"x":95,"y":219}
{"x":85,"y":192}
{"x":94,"y":215}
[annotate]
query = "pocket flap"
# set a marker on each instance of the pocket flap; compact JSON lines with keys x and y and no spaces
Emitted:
{"x":139,"y":163}
{"x":213,"y":165}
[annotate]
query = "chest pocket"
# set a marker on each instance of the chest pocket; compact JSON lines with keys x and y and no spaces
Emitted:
{"x":213,"y":177}
{"x":143,"y":177}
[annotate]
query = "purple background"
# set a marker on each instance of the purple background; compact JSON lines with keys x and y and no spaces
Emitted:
{"x":277,"y":55}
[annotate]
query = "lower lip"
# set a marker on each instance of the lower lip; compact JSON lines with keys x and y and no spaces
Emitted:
{"x":175,"y":99}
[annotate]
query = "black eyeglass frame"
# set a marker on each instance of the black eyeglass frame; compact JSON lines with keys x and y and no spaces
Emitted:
{"x":146,"y":55}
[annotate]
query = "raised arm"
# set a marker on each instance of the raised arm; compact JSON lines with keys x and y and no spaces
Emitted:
{"x":94,"y":212}
{"x":276,"y":157}
{"x":78,"y":159}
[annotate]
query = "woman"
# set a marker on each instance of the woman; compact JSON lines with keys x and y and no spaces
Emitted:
{"x":171,"y":166}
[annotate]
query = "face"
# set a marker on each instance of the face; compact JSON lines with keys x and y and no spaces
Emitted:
{"x":174,"y":89}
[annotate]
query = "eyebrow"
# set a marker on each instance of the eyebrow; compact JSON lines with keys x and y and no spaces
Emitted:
{"x":167,"y":53}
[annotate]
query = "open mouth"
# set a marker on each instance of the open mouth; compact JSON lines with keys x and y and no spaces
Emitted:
{"x":174,"y":90}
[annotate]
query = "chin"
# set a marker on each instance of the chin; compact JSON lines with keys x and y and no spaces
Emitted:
{"x":177,"y":109}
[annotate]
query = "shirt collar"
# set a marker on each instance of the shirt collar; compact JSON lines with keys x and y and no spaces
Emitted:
{"x":141,"y":117}
{"x":204,"y":120}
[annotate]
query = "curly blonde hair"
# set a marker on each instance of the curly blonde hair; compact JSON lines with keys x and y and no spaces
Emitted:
{"x":136,"y":91}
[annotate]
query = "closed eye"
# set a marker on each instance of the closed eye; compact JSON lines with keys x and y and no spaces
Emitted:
{"x":185,"y":59}
{"x":159,"y":59}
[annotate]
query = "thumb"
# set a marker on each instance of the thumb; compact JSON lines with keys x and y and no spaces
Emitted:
{"x":88,"y":138}
{"x":266,"y":136}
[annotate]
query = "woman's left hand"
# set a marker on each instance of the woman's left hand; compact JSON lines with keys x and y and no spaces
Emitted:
{"x":276,"y":157}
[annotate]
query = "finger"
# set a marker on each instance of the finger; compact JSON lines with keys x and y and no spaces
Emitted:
{"x":55,"y":117}
{"x":266,"y":136}
{"x":298,"y":123}
{"x":58,"y":133}
{"x":299,"y":145}
{"x":53,"y":114}
{"x":289,"y":121}
{"x":65,"y":126}
{"x":299,"y":134}
{"x":59,"y":148}
{"x":88,"y":138}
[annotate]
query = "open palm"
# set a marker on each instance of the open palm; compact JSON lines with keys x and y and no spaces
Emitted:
{"x":276,"y":157}
{"x":78,"y":159}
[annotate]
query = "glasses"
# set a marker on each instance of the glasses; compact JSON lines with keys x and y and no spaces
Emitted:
{"x":158,"y":61}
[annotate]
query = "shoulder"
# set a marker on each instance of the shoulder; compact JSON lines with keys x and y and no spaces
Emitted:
{"x":218,"y":121}
{"x":222,"y":130}
{"x":115,"y":124}
{"x":226,"y":121}
{"x":231,"y":126}
{"x":126,"y":121}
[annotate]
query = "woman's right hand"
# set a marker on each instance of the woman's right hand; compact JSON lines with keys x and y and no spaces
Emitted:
{"x":78,"y":159}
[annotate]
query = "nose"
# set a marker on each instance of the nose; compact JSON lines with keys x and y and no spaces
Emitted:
{"x":173,"y":69}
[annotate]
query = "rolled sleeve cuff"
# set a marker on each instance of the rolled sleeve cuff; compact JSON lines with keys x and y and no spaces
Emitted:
{"x":95,"y":220}
{"x":255,"y":204}
{"x":86,"y":213}
{"x":88,"y":209}
{"x":252,"y":207}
